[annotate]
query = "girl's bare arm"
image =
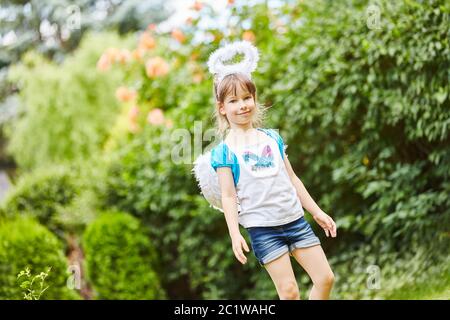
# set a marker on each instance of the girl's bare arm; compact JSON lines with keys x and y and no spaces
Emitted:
{"x":305,"y":198}
{"x":229,"y":199}
{"x":229,"y":205}
{"x":324,"y":220}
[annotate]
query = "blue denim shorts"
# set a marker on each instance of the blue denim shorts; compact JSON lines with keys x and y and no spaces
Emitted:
{"x":270,"y":243}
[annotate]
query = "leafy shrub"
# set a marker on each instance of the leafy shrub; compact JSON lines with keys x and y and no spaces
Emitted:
{"x":377,"y":97}
{"x":41,"y":194}
{"x":64,"y":198}
{"x":120,"y":259}
{"x":67,"y":109}
{"x":24,"y":243}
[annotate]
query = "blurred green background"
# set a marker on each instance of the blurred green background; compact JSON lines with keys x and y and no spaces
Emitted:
{"x":93,"y":92}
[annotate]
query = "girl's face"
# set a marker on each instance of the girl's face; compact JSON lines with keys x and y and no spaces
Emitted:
{"x":238,"y":109}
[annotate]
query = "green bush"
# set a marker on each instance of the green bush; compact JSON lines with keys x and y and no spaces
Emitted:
{"x":120,"y":259}
{"x":25,"y":243}
{"x":369,"y":131}
{"x":66,"y":110}
{"x":42,"y":194}
{"x":64,"y":198}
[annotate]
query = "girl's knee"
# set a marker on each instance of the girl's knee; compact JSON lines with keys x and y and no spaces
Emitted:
{"x":289,"y":291}
{"x":325,"y":280}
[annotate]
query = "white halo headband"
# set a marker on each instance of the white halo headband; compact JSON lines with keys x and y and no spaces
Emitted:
{"x":246,"y":66}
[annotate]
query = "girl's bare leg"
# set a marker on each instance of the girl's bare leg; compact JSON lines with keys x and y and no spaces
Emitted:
{"x":315,"y":263}
{"x":280,"y":270}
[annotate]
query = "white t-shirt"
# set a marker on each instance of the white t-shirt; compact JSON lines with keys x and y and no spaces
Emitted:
{"x":266,"y":195}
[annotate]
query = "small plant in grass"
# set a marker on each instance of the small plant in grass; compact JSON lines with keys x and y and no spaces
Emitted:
{"x":33,"y":286}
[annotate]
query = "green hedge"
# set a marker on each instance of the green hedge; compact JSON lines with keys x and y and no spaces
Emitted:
{"x":366,"y":114}
{"x":42,"y":194}
{"x":64,"y":198}
{"x":26,"y":243}
{"x":120,"y":259}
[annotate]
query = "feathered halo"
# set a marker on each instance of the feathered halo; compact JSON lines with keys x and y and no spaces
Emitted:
{"x":246,"y":66}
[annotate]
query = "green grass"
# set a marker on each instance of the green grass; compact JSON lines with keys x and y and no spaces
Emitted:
{"x":443,"y":295}
{"x":429,"y":293}
{"x":437,"y":288}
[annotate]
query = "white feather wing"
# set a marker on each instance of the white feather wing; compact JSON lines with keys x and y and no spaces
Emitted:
{"x":208,"y":181}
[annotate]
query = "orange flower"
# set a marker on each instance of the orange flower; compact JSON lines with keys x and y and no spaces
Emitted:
{"x":133,"y":113}
{"x":113,"y":54}
{"x":124,"y":56}
{"x":156,"y":117}
{"x":146,"y":41}
{"x":124,"y":94}
{"x":249,"y":36}
{"x":138,"y":54}
{"x":230,"y":2}
{"x":178,"y":35}
{"x":156,"y":67}
{"x":197,"y":6}
{"x":104,"y":63}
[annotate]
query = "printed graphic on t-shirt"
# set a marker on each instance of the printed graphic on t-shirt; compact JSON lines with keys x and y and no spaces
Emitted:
{"x":260,"y":161}
{"x":264,"y":160}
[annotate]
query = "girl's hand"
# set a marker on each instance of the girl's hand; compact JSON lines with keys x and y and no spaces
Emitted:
{"x":238,"y":243}
{"x":326,"y":223}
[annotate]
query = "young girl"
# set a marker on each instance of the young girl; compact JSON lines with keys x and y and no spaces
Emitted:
{"x":259,"y":189}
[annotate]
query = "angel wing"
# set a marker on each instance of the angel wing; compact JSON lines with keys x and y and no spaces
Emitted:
{"x":208,"y":181}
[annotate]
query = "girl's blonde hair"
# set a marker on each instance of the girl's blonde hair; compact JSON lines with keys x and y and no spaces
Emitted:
{"x":227,"y":86}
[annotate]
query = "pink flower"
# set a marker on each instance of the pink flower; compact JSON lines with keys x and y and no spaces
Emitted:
{"x":197,"y":6}
{"x":146,"y":41}
{"x":249,"y":36}
{"x":151,"y":27}
{"x":124,"y":56}
{"x":133,"y":113}
{"x":124,"y":94}
{"x":104,"y":63}
{"x":113,"y":54}
{"x":156,"y":117}
{"x":156,"y":67}
{"x":138,"y":54}
{"x":178,"y":35}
